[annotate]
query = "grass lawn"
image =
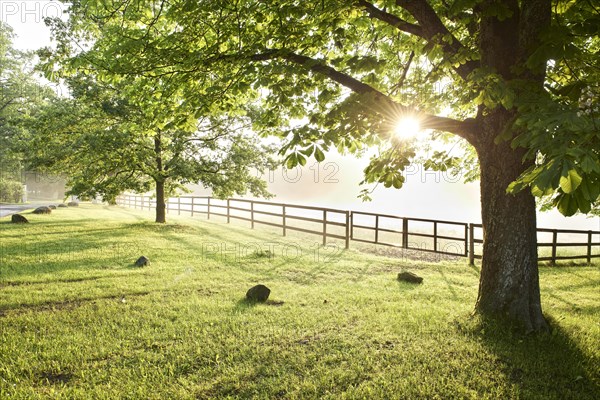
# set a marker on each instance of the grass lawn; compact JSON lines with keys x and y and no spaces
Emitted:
{"x":77,"y":320}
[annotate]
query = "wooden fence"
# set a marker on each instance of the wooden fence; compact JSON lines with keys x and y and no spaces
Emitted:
{"x":442,"y":237}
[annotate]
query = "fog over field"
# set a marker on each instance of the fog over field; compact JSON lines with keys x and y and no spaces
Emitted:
{"x":426,"y":194}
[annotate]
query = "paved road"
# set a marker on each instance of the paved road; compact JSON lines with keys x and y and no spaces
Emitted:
{"x":9,"y":209}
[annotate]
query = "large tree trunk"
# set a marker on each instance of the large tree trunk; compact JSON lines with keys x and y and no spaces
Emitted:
{"x":161,"y":215}
{"x":509,"y":284}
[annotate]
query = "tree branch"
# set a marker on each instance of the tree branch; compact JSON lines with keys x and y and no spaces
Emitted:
{"x":391,"y":19}
{"x":433,"y":30}
{"x":384,"y":104}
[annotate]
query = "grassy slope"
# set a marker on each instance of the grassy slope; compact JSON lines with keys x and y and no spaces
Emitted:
{"x":77,"y":321}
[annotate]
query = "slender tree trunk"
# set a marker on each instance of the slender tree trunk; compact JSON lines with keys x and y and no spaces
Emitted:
{"x":161,"y":216}
{"x":509,"y":284}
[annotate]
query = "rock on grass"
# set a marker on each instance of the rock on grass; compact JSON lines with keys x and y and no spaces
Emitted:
{"x":409,"y":277}
{"x":18,"y":219}
{"x":142,"y":262}
{"x":258,"y":293}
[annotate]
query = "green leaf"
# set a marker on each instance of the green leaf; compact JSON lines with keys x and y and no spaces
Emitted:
{"x":301,"y":159}
{"x":589,"y":190}
{"x":567,"y":205}
{"x":582,"y":203}
{"x":539,"y":192}
{"x":569,"y":180}
{"x":291,"y":161}
{"x":588,"y":165}
{"x":319,"y":156}
{"x":398,"y":181}
{"x":308,"y":151}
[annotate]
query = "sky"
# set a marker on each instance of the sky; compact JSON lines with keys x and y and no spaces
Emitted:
{"x":334,"y":182}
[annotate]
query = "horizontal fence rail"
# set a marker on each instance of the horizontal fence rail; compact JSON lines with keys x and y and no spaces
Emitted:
{"x":436,"y":236}
{"x":403,"y":233}
{"x":590,"y":240}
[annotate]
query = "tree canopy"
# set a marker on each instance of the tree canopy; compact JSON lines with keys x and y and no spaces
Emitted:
{"x":20,"y":96}
{"x":516,"y":80}
{"x":108,"y":139}
{"x":352,"y":69}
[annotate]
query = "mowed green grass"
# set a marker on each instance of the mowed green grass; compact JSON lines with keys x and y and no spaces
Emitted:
{"x":77,"y":320}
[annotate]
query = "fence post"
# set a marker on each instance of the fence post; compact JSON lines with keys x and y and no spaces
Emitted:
{"x":208,"y":208}
{"x":228,"y":211}
{"x":471,"y":240}
{"x":142,"y":203}
{"x":351,"y":225}
{"x":377,"y":229}
{"x":554,"y":240}
{"x":284,"y":222}
{"x":252,"y":214}
{"x":324,"y":227}
{"x":193,"y":198}
{"x":347,"y":229}
{"x":405,"y":233}
{"x":179,"y":206}
{"x":466,"y":240}
{"x":589,"y":248}
{"x":435,"y":232}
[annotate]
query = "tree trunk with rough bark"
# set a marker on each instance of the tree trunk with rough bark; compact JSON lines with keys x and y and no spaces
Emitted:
{"x":509,"y":282}
{"x":509,"y":286}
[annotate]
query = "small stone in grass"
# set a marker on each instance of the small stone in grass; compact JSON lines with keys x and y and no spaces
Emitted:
{"x":409,"y":277}
{"x":42,"y":210}
{"x":73,"y":204}
{"x":142,"y":262}
{"x":62,"y":205}
{"x":18,"y":219}
{"x":52,"y":207}
{"x":258,"y":293}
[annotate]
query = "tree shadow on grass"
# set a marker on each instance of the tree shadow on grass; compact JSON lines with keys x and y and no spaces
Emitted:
{"x":407,"y":286}
{"x":60,"y":227}
{"x":448,"y":283}
{"x":56,"y":281}
{"x":244,"y":304}
{"x":43,"y":254}
{"x":544,"y":366}
{"x":67,"y":305}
